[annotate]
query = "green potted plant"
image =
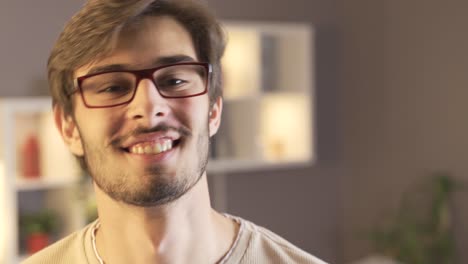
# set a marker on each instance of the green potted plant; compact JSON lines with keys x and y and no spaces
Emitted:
{"x":37,"y":229}
{"x":421,"y":232}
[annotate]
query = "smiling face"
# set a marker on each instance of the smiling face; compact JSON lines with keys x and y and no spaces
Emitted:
{"x":154,"y":149}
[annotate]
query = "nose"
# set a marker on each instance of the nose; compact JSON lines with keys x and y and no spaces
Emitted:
{"x":147,"y":104}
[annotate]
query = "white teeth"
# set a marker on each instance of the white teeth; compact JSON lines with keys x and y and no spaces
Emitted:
{"x":148,"y":149}
{"x":156,"y":148}
{"x":167,"y":145}
{"x":151,"y":147}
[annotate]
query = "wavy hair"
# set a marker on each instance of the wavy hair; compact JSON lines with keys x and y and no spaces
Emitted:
{"x":93,"y":33}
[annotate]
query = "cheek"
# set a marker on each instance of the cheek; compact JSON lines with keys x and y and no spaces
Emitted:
{"x":193,"y":113}
{"x":96,"y":124}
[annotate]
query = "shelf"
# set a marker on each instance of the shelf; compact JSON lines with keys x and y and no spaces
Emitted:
{"x":43,"y":183}
{"x":235,"y":166}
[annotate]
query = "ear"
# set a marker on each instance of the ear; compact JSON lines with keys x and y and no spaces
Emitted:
{"x":67,"y":128}
{"x":215,"y":116}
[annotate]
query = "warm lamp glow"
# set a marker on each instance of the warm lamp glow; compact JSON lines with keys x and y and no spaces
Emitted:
{"x":241,"y":63}
{"x":285,"y":130}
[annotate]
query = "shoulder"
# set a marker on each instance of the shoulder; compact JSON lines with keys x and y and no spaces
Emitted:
{"x":71,"y":249}
{"x":263,"y":246}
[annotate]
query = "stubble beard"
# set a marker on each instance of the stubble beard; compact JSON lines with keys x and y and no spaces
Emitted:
{"x":158,"y":188}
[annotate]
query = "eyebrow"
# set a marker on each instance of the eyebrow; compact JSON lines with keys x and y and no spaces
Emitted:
{"x":156,"y":63}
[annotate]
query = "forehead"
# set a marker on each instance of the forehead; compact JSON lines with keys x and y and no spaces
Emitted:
{"x":144,"y":43}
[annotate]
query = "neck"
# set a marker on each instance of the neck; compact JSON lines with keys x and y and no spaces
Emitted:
{"x":185,"y":231}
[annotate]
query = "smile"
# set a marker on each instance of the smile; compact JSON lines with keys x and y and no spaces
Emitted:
{"x":152,"y":147}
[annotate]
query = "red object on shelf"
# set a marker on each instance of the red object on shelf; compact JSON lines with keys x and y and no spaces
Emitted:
{"x":30,"y":156}
{"x":36,"y":242}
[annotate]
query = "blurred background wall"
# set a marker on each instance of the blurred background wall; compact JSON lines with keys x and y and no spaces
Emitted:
{"x":390,"y":99}
{"x":404,"y":90}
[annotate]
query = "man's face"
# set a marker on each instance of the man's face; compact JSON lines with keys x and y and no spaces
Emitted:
{"x":121,"y":145}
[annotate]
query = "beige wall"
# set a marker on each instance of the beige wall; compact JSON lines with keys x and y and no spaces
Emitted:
{"x":405,"y":104}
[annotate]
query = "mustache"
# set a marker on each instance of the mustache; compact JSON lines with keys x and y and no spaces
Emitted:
{"x":183,"y":131}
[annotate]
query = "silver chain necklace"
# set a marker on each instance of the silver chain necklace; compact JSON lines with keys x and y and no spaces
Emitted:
{"x":93,"y":237}
{"x":223,"y":260}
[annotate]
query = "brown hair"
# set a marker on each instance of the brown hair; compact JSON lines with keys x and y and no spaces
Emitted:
{"x":92,"y":34}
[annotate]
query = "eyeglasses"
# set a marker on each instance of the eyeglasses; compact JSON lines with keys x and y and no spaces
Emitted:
{"x":113,"y":88}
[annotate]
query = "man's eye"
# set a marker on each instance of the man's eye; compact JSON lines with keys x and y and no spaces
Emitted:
{"x":114,"y":89}
{"x":171,"y":83}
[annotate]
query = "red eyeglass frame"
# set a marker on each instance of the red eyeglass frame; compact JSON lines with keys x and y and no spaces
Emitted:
{"x":144,"y":74}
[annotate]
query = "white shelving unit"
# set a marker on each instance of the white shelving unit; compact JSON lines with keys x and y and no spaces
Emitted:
{"x":268,"y":113}
{"x":53,"y":189}
{"x":267,"y":124}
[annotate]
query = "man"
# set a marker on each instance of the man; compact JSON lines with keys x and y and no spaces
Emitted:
{"x":137,"y":95}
